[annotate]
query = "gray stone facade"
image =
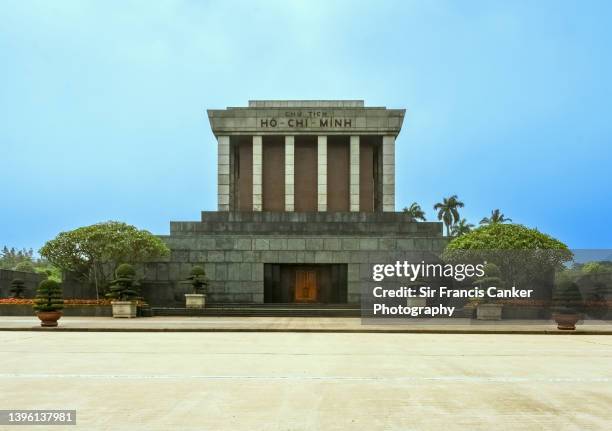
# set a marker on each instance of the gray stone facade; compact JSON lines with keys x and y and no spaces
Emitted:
{"x":291,"y":118}
{"x":233,"y":248}
{"x":347,"y":163}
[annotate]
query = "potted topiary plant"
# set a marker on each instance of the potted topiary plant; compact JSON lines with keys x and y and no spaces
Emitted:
{"x":198,"y":282}
{"x":567,"y":304}
{"x":485,"y":308}
{"x":48,"y":302}
{"x":123,"y":289}
{"x":17,"y":287}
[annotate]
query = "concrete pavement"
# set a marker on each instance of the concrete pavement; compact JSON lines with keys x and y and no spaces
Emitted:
{"x":310,"y":381}
{"x":299,"y":324}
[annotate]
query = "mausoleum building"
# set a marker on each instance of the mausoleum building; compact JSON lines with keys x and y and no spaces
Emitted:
{"x":306,"y":206}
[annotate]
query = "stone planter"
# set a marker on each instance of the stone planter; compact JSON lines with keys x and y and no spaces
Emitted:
{"x":195,"y":300}
{"x":124,"y":308}
{"x":416,"y":302}
{"x":489,"y":311}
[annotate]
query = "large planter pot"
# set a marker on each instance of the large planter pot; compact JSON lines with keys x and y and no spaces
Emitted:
{"x":489,"y":311}
{"x":195,"y":300}
{"x":124,"y":308}
{"x":49,"y":318}
{"x":566,"y":322}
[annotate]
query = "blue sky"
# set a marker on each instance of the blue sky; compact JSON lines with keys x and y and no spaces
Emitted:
{"x":102,"y":104}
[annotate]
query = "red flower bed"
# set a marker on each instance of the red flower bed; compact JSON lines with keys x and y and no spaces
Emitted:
{"x":16,"y":301}
{"x":73,"y":301}
{"x":87,"y":302}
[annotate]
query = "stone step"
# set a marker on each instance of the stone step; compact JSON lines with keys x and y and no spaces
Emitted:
{"x":319,"y":228}
{"x":268,"y":310}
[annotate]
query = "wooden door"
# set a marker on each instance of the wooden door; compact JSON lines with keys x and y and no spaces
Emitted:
{"x":306,"y":286}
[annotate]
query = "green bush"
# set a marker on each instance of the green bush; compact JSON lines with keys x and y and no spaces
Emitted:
{"x":49,"y":296}
{"x":197,"y":279}
{"x":17,"y":287}
{"x":124,"y":286}
{"x":125,"y":270}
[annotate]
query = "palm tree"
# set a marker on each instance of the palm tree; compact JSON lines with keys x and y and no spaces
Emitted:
{"x":415,"y":212}
{"x":496,"y":217}
{"x":461,"y":228}
{"x":448,"y":211}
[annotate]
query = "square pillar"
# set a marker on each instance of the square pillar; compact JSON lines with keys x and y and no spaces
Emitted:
{"x":289,"y":173}
{"x":257,"y":174}
{"x":354,"y":174}
{"x":388,"y":174}
{"x":322,"y":173}
{"x":223,"y":173}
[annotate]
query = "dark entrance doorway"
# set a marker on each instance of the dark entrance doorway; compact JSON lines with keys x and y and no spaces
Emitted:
{"x":291,"y":283}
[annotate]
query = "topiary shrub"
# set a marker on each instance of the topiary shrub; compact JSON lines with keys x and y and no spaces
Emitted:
{"x":492,"y":278}
{"x":566,"y":297}
{"x":124,"y":286}
{"x":49,"y":296}
{"x":17,"y":287}
{"x":197,"y":279}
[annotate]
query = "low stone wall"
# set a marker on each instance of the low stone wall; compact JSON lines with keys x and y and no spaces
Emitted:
{"x":30,"y":279}
{"x":69,"y":310}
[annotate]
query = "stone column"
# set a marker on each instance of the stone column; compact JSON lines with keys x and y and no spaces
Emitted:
{"x":257,"y":174}
{"x":388,"y":171}
{"x":223,"y":173}
{"x":289,"y":174}
{"x":322,"y":173}
{"x":354,"y":173}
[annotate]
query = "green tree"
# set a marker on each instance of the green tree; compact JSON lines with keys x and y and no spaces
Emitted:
{"x":496,"y":217}
{"x":595,"y":268}
{"x":49,"y":271}
{"x":522,"y":254}
{"x":415,"y":212}
{"x":448,"y":211}
{"x":25,"y":266}
{"x":461,"y":228}
{"x":11,"y":257}
{"x":93,"y":252}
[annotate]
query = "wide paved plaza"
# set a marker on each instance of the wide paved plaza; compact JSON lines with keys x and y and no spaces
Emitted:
{"x":310,"y":381}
